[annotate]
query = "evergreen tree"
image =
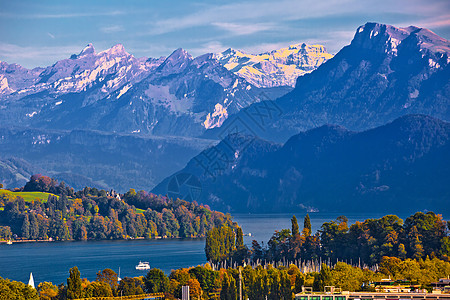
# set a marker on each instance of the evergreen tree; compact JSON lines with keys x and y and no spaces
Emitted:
{"x":26,"y":227}
{"x":239,"y":237}
{"x":34,"y":227}
{"x":306,"y":226}
{"x":295,"y":227}
{"x":74,"y":284}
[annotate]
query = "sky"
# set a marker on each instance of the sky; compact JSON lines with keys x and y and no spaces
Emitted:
{"x":39,"y":33}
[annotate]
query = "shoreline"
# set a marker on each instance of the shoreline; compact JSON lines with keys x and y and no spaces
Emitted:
{"x":127,"y":239}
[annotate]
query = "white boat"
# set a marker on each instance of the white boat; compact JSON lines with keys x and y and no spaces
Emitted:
{"x":9,"y":242}
{"x":143,"y":266}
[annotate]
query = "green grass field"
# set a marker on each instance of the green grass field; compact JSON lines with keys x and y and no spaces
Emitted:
{"x":28,"y":196}
{"x":139,"y":211}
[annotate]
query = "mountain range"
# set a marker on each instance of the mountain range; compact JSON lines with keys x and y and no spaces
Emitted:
{"x":112,"y":90}
{"x":279,"y":67}
{"x":125,"y":113}
{"x":385,"y":72}
{"x":111,"y":120}
{"x":402,"y":166}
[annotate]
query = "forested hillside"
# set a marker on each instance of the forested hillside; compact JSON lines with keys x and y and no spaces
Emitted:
{"x":98,"y":214}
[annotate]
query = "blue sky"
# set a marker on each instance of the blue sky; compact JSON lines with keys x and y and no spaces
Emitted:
{"x":38,"y":33}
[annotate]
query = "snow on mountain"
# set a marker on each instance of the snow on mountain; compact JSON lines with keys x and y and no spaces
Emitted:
{"x":16,"y":77}
{"x":114,"y":91}
{"x":112,"y":68}
{"x":385,"y":72}
{"x":276,"y":68}
{"x":386,"y":39}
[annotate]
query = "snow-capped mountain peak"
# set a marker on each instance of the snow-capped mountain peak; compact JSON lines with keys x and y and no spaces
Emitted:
{"x":276,"y":68}
{"x":116,"y":50}
{"x":88,"y":50}
{"x":388,"y":39}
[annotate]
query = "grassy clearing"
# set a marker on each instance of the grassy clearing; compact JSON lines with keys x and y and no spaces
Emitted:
{"x":139,"y":211}
{"x":27,"y":196}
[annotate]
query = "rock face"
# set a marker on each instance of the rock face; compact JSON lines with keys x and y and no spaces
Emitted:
{"x":114,"y":91}
{"x":402,"y":166}
{"x":276,"y":68}
{"x":386,"y":72}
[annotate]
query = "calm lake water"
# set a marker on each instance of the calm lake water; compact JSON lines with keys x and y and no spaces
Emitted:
{"x":52,"y":261}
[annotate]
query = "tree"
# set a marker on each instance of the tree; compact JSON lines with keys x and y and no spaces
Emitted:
{"x":130,"y":286}
{"x":299,"y":282}
{"x":98,"y":289}
{"x":229,"y":291}
{"x":239,"y":237}
{"x":156,"y":281}
{"x":17,"y":290}
{"x":257,"y":251}
{"x":285,"y":286}
{"x":295,"y":227}
{"x":401,"y":251}
{"x":322,"y":279}
{"x":416,"y":244}
{"x":391,"y":266}
{"x":445,"y":247}
{"x":206,"y":277}
{"x":347,"y":277}
{"x":110,"y":277}
{"x":47,"y":291}
{"x":220,"y":244}
{"x":194,"y":288}
{"x":74,"y":284}
{"x":26,"y":227}
{"x":306,"y":226}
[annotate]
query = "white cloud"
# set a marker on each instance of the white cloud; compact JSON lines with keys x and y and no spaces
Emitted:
{"x":235,"y":16}
{"x":243,"y":29}
{"x":266,"y":47}
{"x":61,"y":15}
{"x":112,"y":29}
{"x":27,"y":55}
{"x":210,"y":47}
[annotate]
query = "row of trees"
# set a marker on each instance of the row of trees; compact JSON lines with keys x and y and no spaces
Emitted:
{"x":421,"y":235}
{"x":254,"y":283}
{"x":100,"y":214}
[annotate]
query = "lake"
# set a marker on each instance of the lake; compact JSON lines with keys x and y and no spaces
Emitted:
{"x":52,"y":261}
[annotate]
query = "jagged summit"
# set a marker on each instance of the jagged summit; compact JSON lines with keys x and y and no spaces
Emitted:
{"x":88,"y":50}
{"x":176,"y":62}
{"x":388,"y":38}
{"x":179,"y":54}
{"x":116,"y":50}
{"x":275,"y":68}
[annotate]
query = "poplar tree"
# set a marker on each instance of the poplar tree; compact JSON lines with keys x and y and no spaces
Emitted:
{"x":306,"y":226}
{"x":26,"y":227}
{"x":295,"y":227}
{"x":74,"y":284}
{"x":239,"y":237}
